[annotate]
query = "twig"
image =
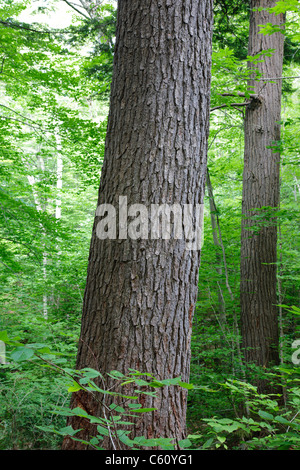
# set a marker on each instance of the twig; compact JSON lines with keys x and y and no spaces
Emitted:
{"x":277,"y":78}
{"x":18,"y":242}
{"x":234,"y":105}
{"x":238,"y":93}
{"x":288,"y":428}
{"x":8,"y":267}
{"x":19,"y":114}
{"x":217,"y":133}
{"x":78,"y":11}
{"x":26,"y":28}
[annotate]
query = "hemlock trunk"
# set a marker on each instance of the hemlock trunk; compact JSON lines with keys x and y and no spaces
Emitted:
{"x":140,"y":294}
{"x":259,"y":322}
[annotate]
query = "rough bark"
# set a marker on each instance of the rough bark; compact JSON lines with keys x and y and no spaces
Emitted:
{"x":259,"y":319}
{"x":140,"y":294}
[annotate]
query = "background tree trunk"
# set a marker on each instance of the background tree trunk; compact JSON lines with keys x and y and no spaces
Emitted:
{"x":259,"y":320}
{"x":140,"y":294}
{"x":218,"y":245}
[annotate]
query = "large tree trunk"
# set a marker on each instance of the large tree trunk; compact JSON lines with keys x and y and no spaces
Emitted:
{"x":259,"y":322}
{"x":140,"y":294}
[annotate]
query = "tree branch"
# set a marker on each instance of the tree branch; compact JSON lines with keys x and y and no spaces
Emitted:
{"x":238,"y":93}
{"x":218,"y":132}
{"x":278,"y":78}
{"x":19,"y":114}
{"x":9,"y":24}
{"x":228,"y":105}
{"x":78,"y":11}
{"x":18,"y":26}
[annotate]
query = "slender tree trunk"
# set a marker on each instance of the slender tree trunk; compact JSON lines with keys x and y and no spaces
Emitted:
{"x":59,"y":186}
{"x":59,"y":178}
{"x":38,"y":205}
{"x":261,"y":188}
{"x":140,"y":294}
{"x":217,"y":243}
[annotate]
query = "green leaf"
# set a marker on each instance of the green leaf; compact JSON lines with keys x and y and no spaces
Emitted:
{"x":265,"y":415}
{"x":95,"y":419}
{"x":121,"y":422}
{"x":94,"y":441}
{"x":165,"y":443}
{"x":143,"y":410}
{"x":122,"y":435}
{"x":79,"y":412}
{"x":282,"y":420}
{"x":134,"y":405}
{"x":185,"y":443}
{"x":186,"y":385}
{"x":142,"y":382}
{"x":91,"y":373}
{"x":74,"y":388}
{"x":208,"y":443}
{"x":194,"y":436}
{"x":149,"y":394}
{"x":21,"y":353}
{"x":4,"y":337}
{"x":116,"y":374}
{"x":44,"y":350}
{"x":116,"y":408}
{"x":103,"y":431}
{"x":67,"y":431}
{"x":174,"y":381}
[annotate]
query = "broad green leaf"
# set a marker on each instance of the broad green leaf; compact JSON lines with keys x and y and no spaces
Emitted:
{"x":282,"y":420}
{"x":116,"y":374}
{"x":74,"y":388}
{"x":95,"y":419}
{"x":21,"y":354}
{"x":265,"y":415}
{"x":116,"y":408}
{"x":142,"y":382}
{"x":91,"y":373}
{"x":79,"y":412}
{"x":208,"y":443}
{"x":150,"y":394}
{"x":103,"y":431}
{"x":68,"y":431}
{"x":122,"y":435}
{"x":194,"y":436}
{"x":4,"y":336}
{"x":143,"y":410}
{"x":94,"y":441}
{"x":186,"y":385}
{"x":185,"y":443}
